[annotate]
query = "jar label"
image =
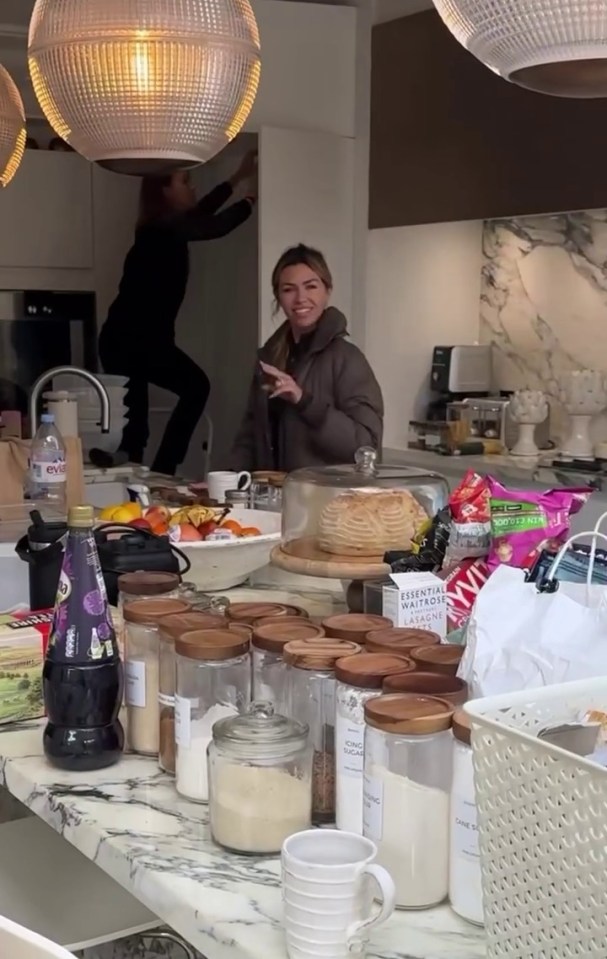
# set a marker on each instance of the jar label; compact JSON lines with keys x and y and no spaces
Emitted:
{"x":349,"y":747}
{"x":183,"y":734}
{"x":464,"y":828}
{"x":373,"y":813}
{"x":134,"y":673}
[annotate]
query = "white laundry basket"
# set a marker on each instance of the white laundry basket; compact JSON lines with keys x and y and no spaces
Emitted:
{"x":543,"y":826}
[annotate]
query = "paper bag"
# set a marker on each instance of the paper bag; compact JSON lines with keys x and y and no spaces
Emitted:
{"x":14,"y":455}
{"x":520,"y":638}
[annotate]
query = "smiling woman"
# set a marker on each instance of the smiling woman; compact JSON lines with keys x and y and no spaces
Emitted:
{"x":314,"y":399}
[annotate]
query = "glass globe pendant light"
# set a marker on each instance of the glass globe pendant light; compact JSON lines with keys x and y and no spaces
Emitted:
{"x":12,"y":128}
{"x":145,"y":86}
{"x":557,"y":47}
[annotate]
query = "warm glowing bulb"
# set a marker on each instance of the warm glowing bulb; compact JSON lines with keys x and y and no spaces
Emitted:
{"x":12,"y":128}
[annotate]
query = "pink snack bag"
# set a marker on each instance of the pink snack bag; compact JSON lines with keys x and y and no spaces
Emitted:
{"x":524,"y":522}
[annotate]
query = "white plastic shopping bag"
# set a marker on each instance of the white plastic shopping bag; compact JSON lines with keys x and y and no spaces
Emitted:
{"x":521,"y":636}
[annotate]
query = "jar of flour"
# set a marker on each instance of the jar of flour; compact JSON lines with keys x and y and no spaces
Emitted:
{"x":407,"y":780}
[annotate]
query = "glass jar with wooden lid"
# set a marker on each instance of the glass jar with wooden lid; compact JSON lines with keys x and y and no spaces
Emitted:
{"x":408,"y":767}
{"x":270,"y":636}
{"x":359,"y":679}
{"x":142,"y":668}
{"x":353,"y":626}
{"x":438,"y":659}
{"x":399,"y":639}
{"x":170,"y":628}
{"x":310,"y":697}
{"x":213,"y":681}
{"x":249,"y":613}
{"x":450,"y":688}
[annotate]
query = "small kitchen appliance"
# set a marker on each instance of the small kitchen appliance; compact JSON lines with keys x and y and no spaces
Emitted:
{"x":458,"y":372}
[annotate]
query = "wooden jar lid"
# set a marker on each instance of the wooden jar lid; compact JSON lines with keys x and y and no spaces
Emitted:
{"x":173,"y":626}
{"x":148,"y":583}
{"x":353,"y":626}
{"x":369,"y":670}
{"x":274,"y":634}
{"x":401,"y":638}
{"x":212,"y":645}
{"x":438,"y":659}
{"x":413,"y":715}
{"x":249,"y":613}
{"x":462,"y":727}
{"x":449,"y":688}
{"x":148,"y":612}
{"x":321,"y":653}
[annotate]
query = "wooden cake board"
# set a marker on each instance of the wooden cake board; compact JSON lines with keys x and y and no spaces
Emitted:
{"x":303,"y":556}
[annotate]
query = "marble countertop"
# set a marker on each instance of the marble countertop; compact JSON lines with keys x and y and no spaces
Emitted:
{"x":129,"y":820}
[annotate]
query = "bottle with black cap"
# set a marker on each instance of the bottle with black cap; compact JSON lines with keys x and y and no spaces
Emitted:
{"x":82,"y":676}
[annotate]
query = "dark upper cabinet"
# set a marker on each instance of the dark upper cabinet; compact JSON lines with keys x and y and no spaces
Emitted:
{"x":452,"y":141}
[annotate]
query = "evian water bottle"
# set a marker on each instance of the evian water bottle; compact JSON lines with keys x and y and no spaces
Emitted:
{"x":47,"y":473}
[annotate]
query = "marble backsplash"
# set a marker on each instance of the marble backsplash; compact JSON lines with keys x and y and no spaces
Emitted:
{"x":544,"y":300}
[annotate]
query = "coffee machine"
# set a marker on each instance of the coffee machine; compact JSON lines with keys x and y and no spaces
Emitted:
{"x":457,"y":373}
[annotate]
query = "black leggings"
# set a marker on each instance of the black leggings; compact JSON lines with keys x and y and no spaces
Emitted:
{"x":171,"y":369}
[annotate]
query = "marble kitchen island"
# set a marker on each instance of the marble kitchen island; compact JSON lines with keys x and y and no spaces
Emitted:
{"x":129,"y":820}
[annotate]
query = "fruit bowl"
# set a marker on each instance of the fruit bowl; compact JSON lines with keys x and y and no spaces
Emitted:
{"x":222,"y":564}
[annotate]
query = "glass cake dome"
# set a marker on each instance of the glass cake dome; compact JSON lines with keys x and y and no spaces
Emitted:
{"x":359,"y":511}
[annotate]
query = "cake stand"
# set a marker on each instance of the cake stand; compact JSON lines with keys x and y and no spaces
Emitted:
{"x":583,"y":394}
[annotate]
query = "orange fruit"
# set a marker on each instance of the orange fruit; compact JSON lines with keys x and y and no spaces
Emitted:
{"x":249,"y":531}
{"x":233,"y":526}
{"x":188,"y":533}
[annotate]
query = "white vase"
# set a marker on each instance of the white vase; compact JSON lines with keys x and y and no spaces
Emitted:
{"x":584,"y":395}
{"x":528,"y":408}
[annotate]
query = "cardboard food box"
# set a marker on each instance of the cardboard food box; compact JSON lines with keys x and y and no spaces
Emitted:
{"x":23,"y":641}
{"x":416,"y":600}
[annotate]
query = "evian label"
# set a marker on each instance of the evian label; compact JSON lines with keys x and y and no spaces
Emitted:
{"x":45,"y":472}
{"x":419,"y":601}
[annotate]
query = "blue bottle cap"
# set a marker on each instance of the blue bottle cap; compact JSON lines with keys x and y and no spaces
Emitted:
{"x":47,"y":418}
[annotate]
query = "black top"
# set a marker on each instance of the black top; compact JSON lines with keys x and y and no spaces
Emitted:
{"x":157,"y":266}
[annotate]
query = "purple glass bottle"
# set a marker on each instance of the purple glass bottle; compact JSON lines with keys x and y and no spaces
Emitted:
{"x":82,"y":676}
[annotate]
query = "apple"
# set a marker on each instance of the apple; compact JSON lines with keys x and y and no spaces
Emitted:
{"x":209,"y":527}
{"x":141,"y":524}
{"x":188,"y":533}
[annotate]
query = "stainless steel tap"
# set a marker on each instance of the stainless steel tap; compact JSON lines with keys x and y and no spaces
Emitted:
{"x":46,"y":378}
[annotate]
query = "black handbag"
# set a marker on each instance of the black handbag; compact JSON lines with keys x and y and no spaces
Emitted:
{"x":137,"y":550}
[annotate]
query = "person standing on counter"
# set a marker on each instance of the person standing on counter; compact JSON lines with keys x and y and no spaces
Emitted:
{"x":138,"y":337}
{"x":314,"y":399}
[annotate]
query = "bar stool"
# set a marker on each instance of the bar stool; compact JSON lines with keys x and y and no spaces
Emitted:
{"x":48,"y":886}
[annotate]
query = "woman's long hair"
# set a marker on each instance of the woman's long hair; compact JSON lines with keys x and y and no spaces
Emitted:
{"x":300,"y":255}
{"x":153,"y":202}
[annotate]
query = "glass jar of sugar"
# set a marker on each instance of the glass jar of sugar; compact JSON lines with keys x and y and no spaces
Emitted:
{"x":213,"y":681}
{"x":465,"y":885}
{"x":141,"y":669}
{"x":270,"y":636}
{"x":260,"y":781}
{"x":170,"y":628}
{"x":407,"y":780}
{"x":310,"y":698}
{"x":359,"y":679}
{"x":147,"y":585}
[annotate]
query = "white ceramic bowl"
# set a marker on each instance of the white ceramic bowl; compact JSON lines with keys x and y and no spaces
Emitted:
{"x":223,"y":564}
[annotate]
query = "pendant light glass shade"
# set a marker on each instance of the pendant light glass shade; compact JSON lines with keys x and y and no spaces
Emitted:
{"x":145,"y":86}
{"x":12,"y":128}
{"x":551,"y":46}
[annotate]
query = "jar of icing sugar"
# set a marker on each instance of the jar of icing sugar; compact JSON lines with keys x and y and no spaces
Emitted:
{"x":213,"y":682}
{"x":260,"y":780}
{"x":465,"y":884}
{"x":359,"y":679}
{"x":407,"y":781}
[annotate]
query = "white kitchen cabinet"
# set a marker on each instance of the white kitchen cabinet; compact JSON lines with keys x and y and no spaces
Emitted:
{"x":46,"y":213}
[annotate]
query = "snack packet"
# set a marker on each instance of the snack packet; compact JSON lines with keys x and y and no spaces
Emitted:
{"x":524,"y":522}
{"x":464,"y":582}
{"x":471,"y":518}
{"x":428,"y":552}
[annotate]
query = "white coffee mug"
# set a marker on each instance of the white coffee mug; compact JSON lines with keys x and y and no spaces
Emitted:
{"x":221,"y":481}
{"x":328,"y":880}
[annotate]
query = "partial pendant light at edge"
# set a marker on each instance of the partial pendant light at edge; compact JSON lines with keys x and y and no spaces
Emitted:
{"x":145,"y":86}
{"x":557,"y":47}
{"x":12,"y":128}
